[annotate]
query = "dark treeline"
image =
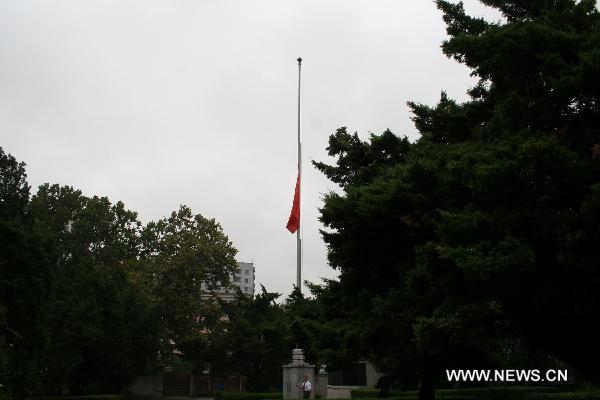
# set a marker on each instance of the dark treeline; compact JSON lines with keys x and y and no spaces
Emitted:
{"x":477,"y":245}
{"x":90,"y":297}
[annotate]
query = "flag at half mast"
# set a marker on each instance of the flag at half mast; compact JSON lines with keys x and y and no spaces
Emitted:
{"x":294,"y":220}
{"x":293,"y":224}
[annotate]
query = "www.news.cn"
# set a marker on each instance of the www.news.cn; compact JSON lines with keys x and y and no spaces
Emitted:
{"x":506,"y":375}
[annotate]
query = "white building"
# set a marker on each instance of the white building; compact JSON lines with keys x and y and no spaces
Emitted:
{"x":242,"y":278}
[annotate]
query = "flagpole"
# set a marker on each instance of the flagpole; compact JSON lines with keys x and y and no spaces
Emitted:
{"x":298,"y":233}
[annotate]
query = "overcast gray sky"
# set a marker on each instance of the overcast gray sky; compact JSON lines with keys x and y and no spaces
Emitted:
{"x":162,"y":103}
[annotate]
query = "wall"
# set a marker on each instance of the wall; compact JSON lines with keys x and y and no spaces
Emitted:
{"x":340,"y":392}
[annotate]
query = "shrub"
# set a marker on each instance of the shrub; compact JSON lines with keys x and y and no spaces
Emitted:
{"x":91,"y":397}
{"x":564,"y":396}
{"x":413,"y":395}
{"x":4,"y":395}
{"x":477,"y":393}
{"x":497,"y":392}
{"x":374,"y":393}
{"x":220,"y":395}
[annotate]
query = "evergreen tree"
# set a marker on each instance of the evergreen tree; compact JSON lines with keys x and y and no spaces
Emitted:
{"x":479,"y":238}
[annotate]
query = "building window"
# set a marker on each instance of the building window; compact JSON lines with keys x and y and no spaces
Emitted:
{"x":247,"y":272}
{"x":245,"y":289}
{"x":246,"y":280}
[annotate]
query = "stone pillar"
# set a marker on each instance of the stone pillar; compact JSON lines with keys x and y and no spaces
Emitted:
{"x":321,"y":383}
{"x":148,"y":386}
{"x":293,"y":374}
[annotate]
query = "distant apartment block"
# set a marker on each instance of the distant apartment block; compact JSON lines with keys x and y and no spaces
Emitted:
{"x":242,"y":278}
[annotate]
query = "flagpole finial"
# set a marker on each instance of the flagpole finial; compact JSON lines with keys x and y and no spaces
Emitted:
{"x":299,"y":60}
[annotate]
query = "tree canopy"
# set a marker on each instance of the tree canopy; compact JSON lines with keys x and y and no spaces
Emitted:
{"x":178,"y":255}
{"x":479,"y":237}
{"x":91,"y":298}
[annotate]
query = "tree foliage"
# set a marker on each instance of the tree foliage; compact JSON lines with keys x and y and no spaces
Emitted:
{"x":99,"y":332}
{"x":23,"y":269}
{"x":89,"y":297}
{"x":478,"y":238}
{"x":250,"y":336}
{"x":260,"y":339}
{"x":178,"y":255}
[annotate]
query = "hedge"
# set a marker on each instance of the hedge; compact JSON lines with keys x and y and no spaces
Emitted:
{"x":583,"y":395}
{"x":499,"y":392}
{"x":495,"y":395}
{"x":220,"y":395}
{"x":478,"y":393}
{"x":481,"y":393}
{"x":91,"y":397}
{"x":374,"y":393}
{"x":413,"y":395}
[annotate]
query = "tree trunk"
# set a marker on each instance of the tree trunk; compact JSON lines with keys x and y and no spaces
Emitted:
{"x":427,"y":386}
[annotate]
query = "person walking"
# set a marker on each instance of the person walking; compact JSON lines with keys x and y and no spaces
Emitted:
{"x":306,"y":387}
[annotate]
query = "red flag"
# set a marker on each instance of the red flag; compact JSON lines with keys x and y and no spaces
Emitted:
{"x":294,"y":221}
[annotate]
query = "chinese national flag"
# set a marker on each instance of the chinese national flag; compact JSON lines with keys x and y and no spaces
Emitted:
{"x":294,"y":221}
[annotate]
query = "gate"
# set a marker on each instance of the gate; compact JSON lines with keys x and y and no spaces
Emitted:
{"x":202,"y":386}
{"x":176,"y":384}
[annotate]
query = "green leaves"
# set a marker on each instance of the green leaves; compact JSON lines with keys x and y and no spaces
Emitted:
{"x":534,"y":70}
{"x":89,"y":296}
{"x":360,"y":161}
{"x":482,"y":229}
{"x":97,"y":328}
{"x":14,"y":190}
{"x":179,"y":254}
